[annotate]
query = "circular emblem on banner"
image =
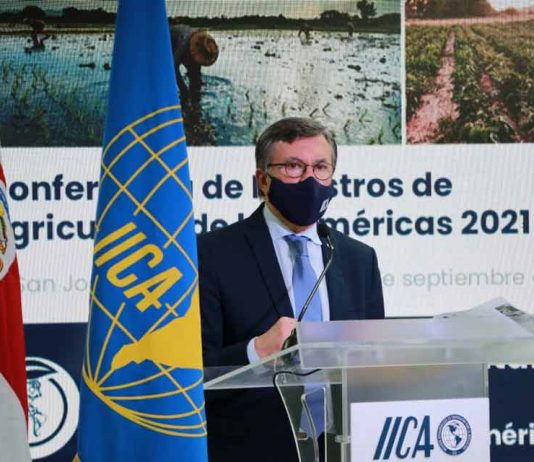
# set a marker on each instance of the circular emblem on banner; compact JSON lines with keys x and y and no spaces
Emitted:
{"x":7,"y":240}
{"x":454,"y":435}
{"x":53,"y":402}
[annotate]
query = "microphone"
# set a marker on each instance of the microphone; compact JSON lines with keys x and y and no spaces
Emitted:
{"x":324,"y":233}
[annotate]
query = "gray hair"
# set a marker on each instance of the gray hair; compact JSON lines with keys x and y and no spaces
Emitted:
{"x":288,"y":130}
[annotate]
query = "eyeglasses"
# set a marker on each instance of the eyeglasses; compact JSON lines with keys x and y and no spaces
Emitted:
{"x":296,"y":169}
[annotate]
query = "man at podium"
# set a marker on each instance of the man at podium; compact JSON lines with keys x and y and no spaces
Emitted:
{"x":255,"y":276}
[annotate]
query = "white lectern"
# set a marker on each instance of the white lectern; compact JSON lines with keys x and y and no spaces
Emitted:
{"x":377,"y":361}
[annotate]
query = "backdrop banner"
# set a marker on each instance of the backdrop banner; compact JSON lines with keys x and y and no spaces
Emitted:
{"x":451,"y":225}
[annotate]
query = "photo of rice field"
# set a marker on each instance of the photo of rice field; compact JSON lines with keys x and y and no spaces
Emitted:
{"x":57,"y":96}
{"x":350,"y":83}
{"x":470,"y":80}
{"x":340,"y":67}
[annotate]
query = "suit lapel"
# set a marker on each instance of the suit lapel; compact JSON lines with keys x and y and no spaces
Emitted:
{"x":338,"y":298}
{"x":259,"y":239}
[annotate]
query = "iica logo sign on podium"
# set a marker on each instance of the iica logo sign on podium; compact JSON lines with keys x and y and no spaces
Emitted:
{"x":437,"y":430}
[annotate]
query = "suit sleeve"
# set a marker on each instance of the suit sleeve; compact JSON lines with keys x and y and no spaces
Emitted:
{"x":214,"y":350}
{"x":376,"y":297}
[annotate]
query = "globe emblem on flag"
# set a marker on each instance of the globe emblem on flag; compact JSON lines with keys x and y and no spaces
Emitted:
{"x":454,"y":435}
{"x":144,"y":359}
{"x":153,"y":385}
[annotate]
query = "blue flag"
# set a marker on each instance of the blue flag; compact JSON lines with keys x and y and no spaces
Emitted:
{"x":141,"y":390}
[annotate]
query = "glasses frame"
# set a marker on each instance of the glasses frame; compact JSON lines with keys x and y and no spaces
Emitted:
{"x":283,"y":168}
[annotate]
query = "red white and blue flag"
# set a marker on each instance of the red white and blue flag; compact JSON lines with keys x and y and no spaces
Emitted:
{"x":13,"y":397}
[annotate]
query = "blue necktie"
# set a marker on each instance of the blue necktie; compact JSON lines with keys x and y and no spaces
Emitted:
{"x":304,"y":279}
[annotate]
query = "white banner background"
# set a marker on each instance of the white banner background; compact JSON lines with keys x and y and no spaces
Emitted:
{"x":424,"y":272}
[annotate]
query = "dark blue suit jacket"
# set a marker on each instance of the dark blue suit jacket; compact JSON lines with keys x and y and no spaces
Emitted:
{"x":242,"y":294}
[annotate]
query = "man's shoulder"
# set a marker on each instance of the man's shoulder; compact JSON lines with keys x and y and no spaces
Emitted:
{"x":219,"y":235}
{"x":233,"y":233}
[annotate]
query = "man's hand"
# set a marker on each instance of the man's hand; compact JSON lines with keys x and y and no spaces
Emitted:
{"x":271,"y":341}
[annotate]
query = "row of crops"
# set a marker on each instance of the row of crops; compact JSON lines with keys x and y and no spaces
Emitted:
{"x":424,"y":47}
{"x":513,"y":73}
{"x":493,"y":79}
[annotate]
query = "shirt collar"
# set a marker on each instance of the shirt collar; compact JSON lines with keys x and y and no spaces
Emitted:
{"x":278,"y":230}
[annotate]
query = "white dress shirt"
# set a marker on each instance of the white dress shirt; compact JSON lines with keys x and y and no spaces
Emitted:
{"x":286,"y":261}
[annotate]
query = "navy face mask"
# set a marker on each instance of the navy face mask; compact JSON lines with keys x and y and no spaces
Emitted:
{"x":302,"y":203}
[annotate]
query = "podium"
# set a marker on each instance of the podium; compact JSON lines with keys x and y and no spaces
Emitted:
{"x":340,"y":365}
